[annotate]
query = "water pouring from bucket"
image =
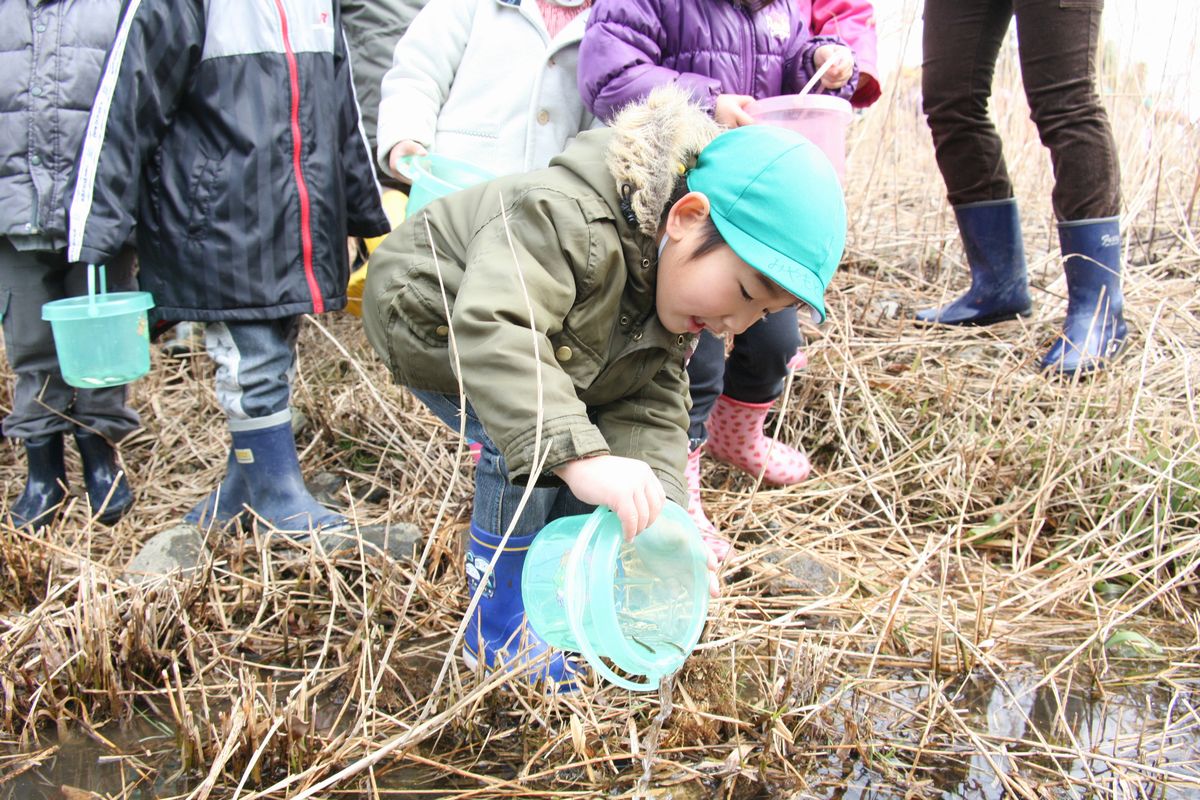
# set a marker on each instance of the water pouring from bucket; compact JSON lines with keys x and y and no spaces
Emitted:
{"x":102,"y":339}
{"x":634,"y":609}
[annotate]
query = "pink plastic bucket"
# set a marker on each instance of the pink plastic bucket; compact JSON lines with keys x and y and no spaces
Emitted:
{"x":820,"y":118}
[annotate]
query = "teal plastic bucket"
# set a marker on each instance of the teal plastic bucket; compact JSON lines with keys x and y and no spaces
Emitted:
{"x":102,"y":339}
{"x":638,"y":606}
{"x":435,"y":176}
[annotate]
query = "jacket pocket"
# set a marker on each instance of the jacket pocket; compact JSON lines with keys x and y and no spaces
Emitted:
{"x":421,"y":316}
{"x":576,"y":357}
{"x":203,"y":188}
{"x":1081,"y":5}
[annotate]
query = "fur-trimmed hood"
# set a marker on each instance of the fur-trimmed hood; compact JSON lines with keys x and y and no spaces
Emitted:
{"x":653,"y":143}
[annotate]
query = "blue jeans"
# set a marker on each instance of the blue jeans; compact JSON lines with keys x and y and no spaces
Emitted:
{"x":496,"y":498}
{"x":255,"y":365}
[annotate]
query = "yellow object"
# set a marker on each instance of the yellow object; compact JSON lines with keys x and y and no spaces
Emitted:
{"x":394,"y":203}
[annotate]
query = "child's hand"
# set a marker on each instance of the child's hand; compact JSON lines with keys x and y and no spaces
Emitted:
{"x":404,"y":148}
{"x":626,"y":485}
{"x":730,"y":110}
{"x":841,"y":67}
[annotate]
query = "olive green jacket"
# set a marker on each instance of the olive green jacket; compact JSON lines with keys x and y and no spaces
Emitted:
{"x":596,"y":370}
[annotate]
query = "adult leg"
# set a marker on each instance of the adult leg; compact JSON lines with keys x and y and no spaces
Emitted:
{"x":961,"y":41}
{"x":759,"y":364}
{"x":1058,"y":41}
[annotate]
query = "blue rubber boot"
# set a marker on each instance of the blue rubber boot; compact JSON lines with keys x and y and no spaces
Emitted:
{"x":1094,"y":330}
{"x":226,"y":504}
{"x":107,"y":487}
{"x":265,"y":452}
{"x":498,"y":627}
{"x":45,"y":484}
{"x":991,"y":235}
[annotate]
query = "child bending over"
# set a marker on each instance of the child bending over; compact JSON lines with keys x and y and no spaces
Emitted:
{"x":567,"y":299}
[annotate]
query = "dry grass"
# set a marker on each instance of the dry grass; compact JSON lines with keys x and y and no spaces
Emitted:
{"x":992,"y":531}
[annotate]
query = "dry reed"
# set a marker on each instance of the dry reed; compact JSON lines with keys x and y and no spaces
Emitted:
{"x":989,"y":540}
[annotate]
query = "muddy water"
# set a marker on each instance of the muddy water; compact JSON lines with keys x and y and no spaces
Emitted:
{"x":1125,"y":740}
{"x":137,"y":759}
{"x":1095,"y":739}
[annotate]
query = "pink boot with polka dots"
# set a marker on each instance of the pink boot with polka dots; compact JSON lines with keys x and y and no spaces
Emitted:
{"x":708,"y":531}
{"x":735,"y":436}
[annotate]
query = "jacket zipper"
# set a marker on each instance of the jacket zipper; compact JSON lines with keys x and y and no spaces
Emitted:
{"x":306,"y":239}
{"x":751,"y":62}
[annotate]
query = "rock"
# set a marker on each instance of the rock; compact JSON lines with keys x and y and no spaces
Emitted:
{"x":299,"y":422}
{"x":179,"y":550}
{"x":398,"y":540}
{"x":324,"y":487}
{"x":790,"y":571}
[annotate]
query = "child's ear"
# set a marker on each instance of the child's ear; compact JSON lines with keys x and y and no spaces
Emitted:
{"x":689,"y":211}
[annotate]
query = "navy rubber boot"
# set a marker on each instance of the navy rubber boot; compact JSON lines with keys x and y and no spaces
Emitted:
{"x":45,"y":485}
{"x":1094,"y":330}
{"x":226,"y":504}
{"x":270,"y":470}
{"x":991,"y":235}
{"x":107,"y":487}
{"x":498,"y":627}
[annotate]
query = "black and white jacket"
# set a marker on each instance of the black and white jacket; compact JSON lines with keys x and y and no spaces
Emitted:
{"x":228,"y":131}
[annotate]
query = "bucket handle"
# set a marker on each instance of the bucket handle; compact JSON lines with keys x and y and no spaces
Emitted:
{"x":93,"y":271}
{"x":575,"y":603}
{"x":411,"y":165}
{"x":816,"y":77}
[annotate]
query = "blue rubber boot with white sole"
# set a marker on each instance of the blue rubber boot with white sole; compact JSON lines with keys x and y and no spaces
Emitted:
{"x":498,"y":629}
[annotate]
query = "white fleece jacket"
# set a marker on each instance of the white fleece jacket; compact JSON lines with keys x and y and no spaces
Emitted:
{"x":483,"y":81}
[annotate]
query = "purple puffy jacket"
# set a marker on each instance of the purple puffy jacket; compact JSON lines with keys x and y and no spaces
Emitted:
{"x":708,"y":47}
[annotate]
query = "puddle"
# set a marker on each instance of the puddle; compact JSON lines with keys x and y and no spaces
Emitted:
{"x":139,"y":761}
{"x":1070,"y":742}
{"x":1021,"y":733}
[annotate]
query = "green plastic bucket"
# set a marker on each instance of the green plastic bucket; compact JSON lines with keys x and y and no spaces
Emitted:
{"x":102,"y":339}
{"x":435,"y":176}
{"x":638,"y":606}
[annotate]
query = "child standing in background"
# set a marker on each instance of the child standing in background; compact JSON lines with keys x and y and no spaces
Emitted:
{"x":852,"y":21}
{"x":229,"y":134}
{"x":491,"y":82}
{"x":574,"y":294}
{"x":726,"y":53}
{"x":54,"y":54}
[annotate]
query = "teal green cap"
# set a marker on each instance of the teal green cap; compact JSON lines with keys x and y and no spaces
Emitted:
{"x":778,"y":203}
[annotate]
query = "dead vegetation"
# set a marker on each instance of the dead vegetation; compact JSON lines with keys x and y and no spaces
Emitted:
{"x":1003,"y":603}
